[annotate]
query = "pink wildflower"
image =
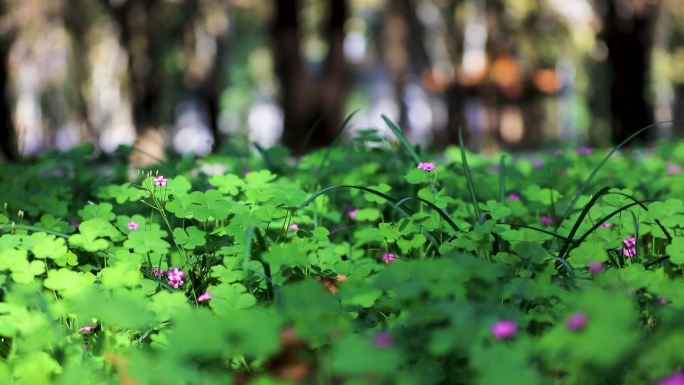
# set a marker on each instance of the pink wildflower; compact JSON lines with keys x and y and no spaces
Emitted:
{"x":388,"y":258}
{"x":629,"y":250}
{"x":132,"y":225}
{"x":245,"y":171}
{"x":157,"y":272}
{"x":383,"y":340}
{"x":538,"y":163}
{"x":676,"y":378}
{"x":513,"y":197}
{"x":352,"y":214}
{"x":556,"y":153}
{"x":595,"y":267}
{"x":160,"y":181}
{"x":86,"y":329}
{"x":204,"y":297}
{"x":293,"y":227}
{"x":75,"y":223}
{"x":584,"y":150}
{"x":504,"y":329}
{"x":663,"y":301}
{"x":546,"y":220}
{"x":426,"y":166}
{"x":577,"y":321}
{"x":176,"y":277}
{"x":606,"y":225}
{"x":629,"y":241}
{"x":674,"y":169}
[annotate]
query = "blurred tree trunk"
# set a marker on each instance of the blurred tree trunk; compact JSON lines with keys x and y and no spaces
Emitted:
{"x":678,"y":109}
{"x":396,"y":38}
{"x":77,"y":20}
{"x":8,"y":143}
{"x":204,"y":82}
{"x":457,"y":92}
{"x":627,"y":32}
{"x":137,"y":21}
{"x":335,"y":76}
{"x":308,"y":101}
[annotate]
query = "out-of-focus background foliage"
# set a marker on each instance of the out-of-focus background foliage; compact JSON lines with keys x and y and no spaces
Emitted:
{"x":516,"y":74}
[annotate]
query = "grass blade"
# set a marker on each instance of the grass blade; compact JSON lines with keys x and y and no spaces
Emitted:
{"x":579,"y":220}
{"x":520,"y":226}
{"x":469,"y":178}
{"x":399,"y":205}
{"x":402,"y":139}
{"x":502,"y":178}
{"x":247,"y":251}
{"x":338,"y":134}
{"x":598,"y":167}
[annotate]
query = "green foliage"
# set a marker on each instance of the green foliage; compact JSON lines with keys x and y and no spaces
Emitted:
{"x":353,"y":267}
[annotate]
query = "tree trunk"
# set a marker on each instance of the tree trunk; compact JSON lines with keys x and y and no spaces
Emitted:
{"x":678,"y":109}
{"x":335,"y":77}
{"x":135,"y":20}
{"x":8,"y":142}
{"x":629,"y":47}
{"x":77,"y":20}
{"x":294,"y":82}
{"x":396,"y":55}
{"x":309,"y":103}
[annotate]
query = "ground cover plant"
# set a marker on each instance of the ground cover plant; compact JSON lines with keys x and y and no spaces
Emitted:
{"x":371,"y":262}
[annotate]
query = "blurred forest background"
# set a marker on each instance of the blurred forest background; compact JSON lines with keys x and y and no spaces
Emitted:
{"x":194,"y":74}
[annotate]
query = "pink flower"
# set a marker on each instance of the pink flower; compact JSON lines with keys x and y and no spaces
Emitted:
{"x":546,"y":220}
{"x":293,"y":227}
{"x":505,"y":329}
{"x":538,"y":163}
{"x":595,"y":267}
{"x":86,"y":329}
{"x":663,"y":301}
{"x":204,"y":297}
{"x":383,"y":340}
{"x":676,"y":378}
{"x":606,"y":225}
{"x":388,"y":258}
{"x":556,"y":153}
{"x":629,"y":250}
{"x":176,"y":277}
{"x":513,"y":197}
{"x":157,"y":272}
{"x":674,"y":169}
{"x":426,"y":166}
{"x":494,"y":168}
{"x":577,"y":321}
{"x":132,"y":225}
{"x":629,"y":241}
{"x":74,"y":223}
{"x":352,"y":214}
{"x":584,"y":150}
{"x":160,"y":181}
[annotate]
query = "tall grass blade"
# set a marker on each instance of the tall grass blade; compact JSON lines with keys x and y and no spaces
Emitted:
{"x":469,"y":178}
{"x":580,"y":219}
{"x":598,"y":167}
{"x":395,"y":203}
{"x":247,"y":250}
{"x":502,"y":178}
{"x":337,"y":136}
{"x":402,"y":139}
